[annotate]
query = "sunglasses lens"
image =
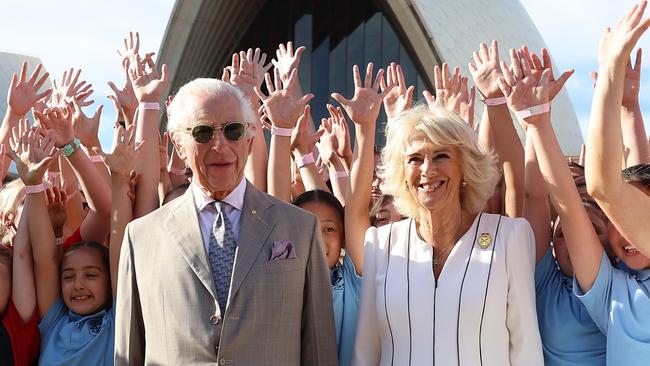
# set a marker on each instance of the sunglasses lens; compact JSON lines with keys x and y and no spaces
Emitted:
{"x":202,"y":134}
{"x":234,"y":131}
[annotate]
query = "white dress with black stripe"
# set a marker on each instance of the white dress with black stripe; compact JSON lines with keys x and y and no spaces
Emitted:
{"x":481,"y":311}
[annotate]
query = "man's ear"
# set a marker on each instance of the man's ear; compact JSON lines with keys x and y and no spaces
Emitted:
{"x":177,"y":141}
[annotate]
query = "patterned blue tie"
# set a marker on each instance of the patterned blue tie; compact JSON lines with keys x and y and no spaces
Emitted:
{"x":221,"y":254}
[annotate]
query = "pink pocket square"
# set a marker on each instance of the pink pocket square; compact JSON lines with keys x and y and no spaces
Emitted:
{"x":283,"y":249}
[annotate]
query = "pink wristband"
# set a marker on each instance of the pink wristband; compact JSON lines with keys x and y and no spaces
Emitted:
{"x":305,"y":159}
{"x":277,"y":131}
{"x":534,"y":110}
{"x":35,"y":189}
{"x":150,"y":106}
{"x":495,"y":101}
{"x":341,"y":174}
{"x":176,"y":171}
{"x":96,"y":158}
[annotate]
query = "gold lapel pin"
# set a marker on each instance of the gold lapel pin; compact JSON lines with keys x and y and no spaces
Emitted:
{"x":484,"y":240}
{"x":254,"y":212}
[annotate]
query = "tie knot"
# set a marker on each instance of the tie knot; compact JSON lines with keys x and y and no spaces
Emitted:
{"x":220,"y":206}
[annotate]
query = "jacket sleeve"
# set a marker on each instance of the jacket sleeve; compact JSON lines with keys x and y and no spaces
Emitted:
{"x":367,"y":347}
{"x":521,"y":314}
{"x":129,"y":327}
{"x":318,"y":341}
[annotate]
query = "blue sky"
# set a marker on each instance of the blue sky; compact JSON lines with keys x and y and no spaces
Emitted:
{"x":86,"y":34}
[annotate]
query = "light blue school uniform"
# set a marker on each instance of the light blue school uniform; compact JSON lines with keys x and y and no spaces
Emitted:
{"x":619,"y":304}
{"x":71,"y":339}
{"x":569,"y":335}
{"x":346,"y":291}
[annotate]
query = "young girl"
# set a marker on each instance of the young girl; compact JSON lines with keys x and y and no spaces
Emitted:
{"x":75,"y":296}
{"x":346,"y":284}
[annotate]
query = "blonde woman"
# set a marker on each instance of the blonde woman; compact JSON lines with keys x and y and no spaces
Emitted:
{"x":449,"y":285}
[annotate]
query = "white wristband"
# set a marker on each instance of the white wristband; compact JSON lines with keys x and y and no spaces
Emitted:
{"x":150,"y":105}
{"x":176,"y":171}
{"x":305,"y":160}
{"x":341,"y":174}
{"x":495,"y":101}
{"x":277,"y":131}
{"x":534,"y":110}
{"x":35,"y":189}
{"x":96,"y":158}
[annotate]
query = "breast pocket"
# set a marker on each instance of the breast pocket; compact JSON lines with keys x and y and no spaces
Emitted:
{"x":284,"y":265}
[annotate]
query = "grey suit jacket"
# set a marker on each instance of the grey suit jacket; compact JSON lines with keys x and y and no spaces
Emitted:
{"x":278,"y":313}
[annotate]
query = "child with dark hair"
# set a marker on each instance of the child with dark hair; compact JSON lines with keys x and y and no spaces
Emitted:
{"x":346,"y":284}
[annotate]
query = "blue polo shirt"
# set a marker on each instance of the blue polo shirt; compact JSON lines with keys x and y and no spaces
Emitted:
{"x":71,"y":339}
{"x":569,"y":335}
{"x":619,"y":304}
{"x":346,"y":291}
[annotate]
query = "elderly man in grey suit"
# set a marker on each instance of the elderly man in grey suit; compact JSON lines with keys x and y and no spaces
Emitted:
{"x":224,"y":274}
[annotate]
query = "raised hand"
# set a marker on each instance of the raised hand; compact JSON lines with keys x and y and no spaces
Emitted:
{"x":23,"y":94}
{"x":31,"y":153}
{"x":125,"y":96}
{"x":448,"y":89}
{"x":121,"y":160}
{"x":365,"y":105}
{"x":632,"y":80}
{"x":58,"y":122}
{"x":538,"y":66}
{"x":131,"y":48}
{"x":287,"y":60}
{"x":280,"y":106}
{"x":617,"y":43}
{"x":340,"y":133}
{"x":55,"y":199}
{"x":520,"y":87}
{"x":86,"y":128}
{"x":486,"y":71}
{"x":247,"y":71}
{"x":71,"y":88}
{"x":400,"y":98}
{"x":466,"y":102}
{"x":302,"y":140}
{"x":148,"y":84}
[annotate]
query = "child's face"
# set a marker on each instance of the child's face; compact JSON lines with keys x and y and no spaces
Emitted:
{"x":5,"y":287}
{"x":85,"y":282}
{"x":331,"y":228}
{"x":624,"y":250}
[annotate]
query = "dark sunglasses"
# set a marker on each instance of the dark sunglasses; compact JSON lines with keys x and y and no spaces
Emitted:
{"x":232,"y":131}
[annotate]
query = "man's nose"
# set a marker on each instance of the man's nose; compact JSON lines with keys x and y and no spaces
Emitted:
{"x":219,"y":140}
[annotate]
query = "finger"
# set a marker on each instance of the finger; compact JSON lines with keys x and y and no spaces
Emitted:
{"x":483,"y":51}
{"x":546,"y":76}
{"x":35,"y":73}
{"x":277,"y":79}
{"x":305,"y":99}
{"x":249,"y":55}
{"x":526,"y":67}
{"x":23,"y":72}
{"x":44,"y":94}
{"x":409,"y":94}
{"x":356,"y":76}
{"x":508,"y":77}
{"x":256,"y":55}
{"x":290,"y":48}
{"x":516,"y":65}
{"x":269,"y":83}
{"x":283,"y":50}
{"x":368,"y":80}
{"x":437,"y":78}
{"x":537,"y":63}
{"x":400,"y":76}
{"x":380,"y":77}
{"x":503,"y":85}
{"x":431,"y":100}
{"x":637,"y":61}
{"x":477,"y":58}
{"x":299,"y":52}
{"x":494,"y":51}
{"x":445,"y":75}
{"x":563,"y":78}
{"x":340,"y":99}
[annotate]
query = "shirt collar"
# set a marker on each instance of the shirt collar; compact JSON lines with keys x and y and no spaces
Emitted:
{"x":234,"y":199}
{"x":640,"y":275}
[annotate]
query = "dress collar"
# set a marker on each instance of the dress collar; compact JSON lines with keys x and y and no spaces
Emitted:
{"x":234,"y":199}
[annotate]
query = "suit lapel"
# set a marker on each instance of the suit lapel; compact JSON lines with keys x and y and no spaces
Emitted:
{"x":256,"y":225}
{"x":182,"y":225}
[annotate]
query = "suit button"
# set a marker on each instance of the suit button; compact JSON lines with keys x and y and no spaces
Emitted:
{"x":222,"y":362}
{"x":214,"y":320}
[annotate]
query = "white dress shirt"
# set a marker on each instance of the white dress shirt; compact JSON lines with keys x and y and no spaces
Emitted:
{"x":208,"y":213}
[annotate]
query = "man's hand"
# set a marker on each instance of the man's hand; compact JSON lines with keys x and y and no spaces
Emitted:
{"x":365,"y":105}
{"x":400,"y":98}
{"x":86,"y":128}
{"x":58,"y":122}
{"x":23,"y":94}
{"x":31,"y":154}
{"x":148,"y":85}
{"x":280,"y":107}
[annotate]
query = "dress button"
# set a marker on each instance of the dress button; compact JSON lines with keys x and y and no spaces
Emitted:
{"x":214,"y":320}
{"x":222,"y":362}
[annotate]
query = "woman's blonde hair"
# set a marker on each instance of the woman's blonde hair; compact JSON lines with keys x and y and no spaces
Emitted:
{"x":12,"y":195}
{"x":441,"y":128}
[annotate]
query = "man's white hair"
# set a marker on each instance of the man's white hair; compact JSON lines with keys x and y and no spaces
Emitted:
{"x":180,"y":113}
